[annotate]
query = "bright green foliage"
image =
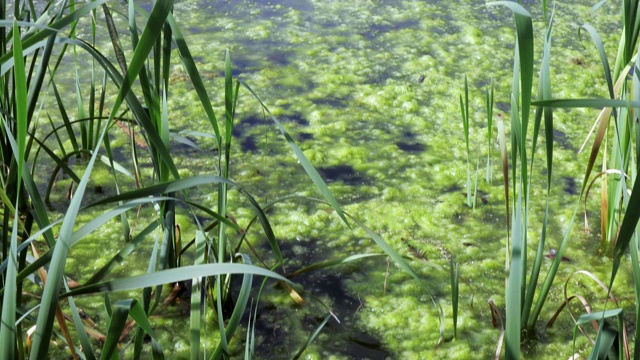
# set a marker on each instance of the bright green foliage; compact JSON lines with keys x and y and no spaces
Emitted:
{"x":127,"y":92}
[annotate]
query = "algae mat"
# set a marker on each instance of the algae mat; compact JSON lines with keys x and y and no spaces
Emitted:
{"x":370,"y":91}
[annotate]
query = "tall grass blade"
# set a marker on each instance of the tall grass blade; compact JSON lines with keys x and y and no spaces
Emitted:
{"x":489,"y":105}
{"x":635,"y":266}
{"x":229,"y":102}
{"x":544,"y":92}
{"x":197,"y":291}
{"x":515,"y":284}
{"x":9,"y":302}
{"x":56,"y":269}
{"x":311,"y":171}
{"x":312,"y":337}
{"x":502,"y":141}
{"x":464,"y":112}
{"x":35,"y":40}
{"x":627,"y":228}
{"x":603,"y":56}
{"x":605,"y":340}
{"x":173,"y":276}
{"x":198,"y":85}
{"x":240,"y":306}
{"x":453,"y":266}
{"x":121,"y":311}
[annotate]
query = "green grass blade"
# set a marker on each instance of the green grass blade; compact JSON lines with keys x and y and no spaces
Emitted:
{"x":524,"y":62}
{"x":544,"y":92}
{"x":505,"y":174}
{"x":52,"y":288}
{"x":143,"y":48}
{"x":196,"y":294}
{"x":174,"y":275}
{"x":168,"y":187}
{"x":464,"y":112}
{"x":240,"y":306}
{"x":635,"y":266}
{"x":36,"y":39}
{"x":306,"y":164}
{"x":198,"y":85}
{"x":587,"y":103}
{"x":603,"y":56}
{"x":514,"y":286}
{"x":42,"y":217}
{"x":87,"y":349}
{"x":65,"y":118}
{"x":312,"y":337}
{"x":331,"y":263}
{"x":8,"y":327}
{"x":122,"y":254}
{"x":121,"y":311}
{"x":489,"y":94}
{"x":21,"y":98}
{"x":56,"y":268}
{"x":453,"y":267}
{"x":627,"y":229}
{"x":546,"y":286}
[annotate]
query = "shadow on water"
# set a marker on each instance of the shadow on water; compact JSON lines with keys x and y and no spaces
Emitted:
{"x":345,"y":173}
{"x":339,"y":338}
{"x":247,"y":130}
{"x":411,"y":147}
{"x":410,"y":144}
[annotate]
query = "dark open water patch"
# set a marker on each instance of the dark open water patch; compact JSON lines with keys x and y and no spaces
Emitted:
{"x":409,"y":142}
{"x":334,"y":102}
{"x":570,"y":185}
{"x":345,"y":173}
{"x":249,"y":144}
{"x":304,"y":136}
{"x":341,"y":338}
{"x":375,"y":30}
{"x":241,"y":130}
{"x":248,"y":137}
{"x":563,"y":140}
{"x":240,"y":127}
{"x":411,"y":147}
{"x":295,"y":118}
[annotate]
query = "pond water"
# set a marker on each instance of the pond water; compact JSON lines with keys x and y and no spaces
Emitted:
{"x":370,"y":91}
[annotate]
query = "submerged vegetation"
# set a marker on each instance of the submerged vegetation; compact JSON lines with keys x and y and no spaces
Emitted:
{"x":159,"y":215}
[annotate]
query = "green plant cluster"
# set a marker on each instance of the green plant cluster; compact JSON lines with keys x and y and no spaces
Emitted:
{"x":122,"y":117}
{"x":127,"y":95}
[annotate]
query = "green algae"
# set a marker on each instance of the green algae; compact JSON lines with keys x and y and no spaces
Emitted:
{"x":355,"y":82}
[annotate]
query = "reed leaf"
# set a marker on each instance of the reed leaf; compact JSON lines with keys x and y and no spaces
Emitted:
{"x":9,"y":301}
{"x":544,"y":92}
{"x":454,"y":276}
{"x":312,"y":337}
{"x":197,"y":292}
{"x":172,"y":276}
{"x":121,"y":311}
{"x":35,"y":40}
{"x":464,"y":113}
{"x":306,"y":164}
{"x":240,"y":306}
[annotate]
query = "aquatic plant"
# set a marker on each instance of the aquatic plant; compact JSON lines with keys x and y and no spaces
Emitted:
{"x":140,"y":86}
{"x":521,"y":309}
{"x":610,"y":339}
{"x":616,"y":123}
